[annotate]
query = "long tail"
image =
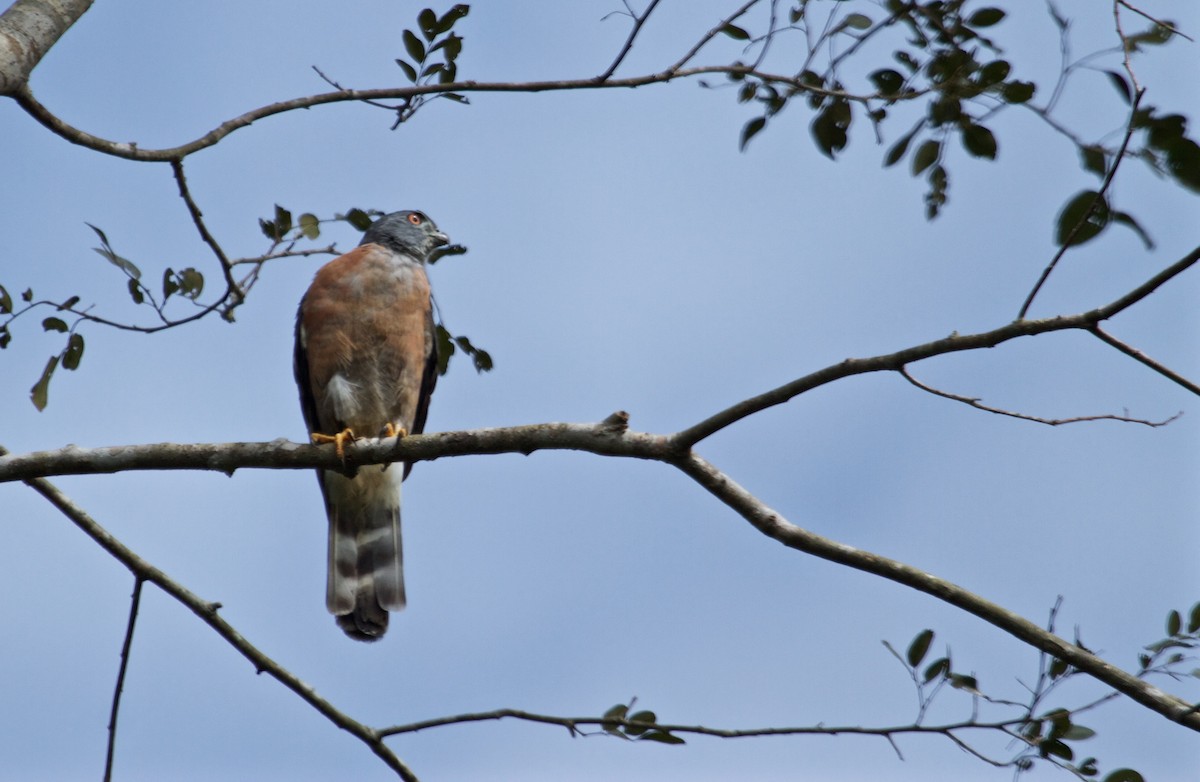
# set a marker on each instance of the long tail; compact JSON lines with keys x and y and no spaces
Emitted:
{"x":366,"y":571}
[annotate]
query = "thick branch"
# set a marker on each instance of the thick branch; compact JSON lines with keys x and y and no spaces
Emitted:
{"x":775,"y":526}
{"x":207,"y":612}
{"x":131,"y":151}
{"x":28,"y":29}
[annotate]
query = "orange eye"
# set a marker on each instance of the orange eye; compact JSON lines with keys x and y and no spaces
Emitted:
{"x":414,"y":219}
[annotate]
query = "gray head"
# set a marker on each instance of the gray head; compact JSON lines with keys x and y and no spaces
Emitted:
{"x":408,"y":232}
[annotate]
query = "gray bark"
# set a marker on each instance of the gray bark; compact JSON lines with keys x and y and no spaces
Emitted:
{"x":27,"y":31}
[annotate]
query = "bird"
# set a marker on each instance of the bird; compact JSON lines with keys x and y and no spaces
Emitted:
{"x":366,"y":364}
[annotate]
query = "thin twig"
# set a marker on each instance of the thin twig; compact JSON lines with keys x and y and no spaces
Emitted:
{"x":978,"y":405}
{"x":1165,"y":25}
{"x":1138,"y":355}
{"x":638,"y":21}
{"x":134,"y":601}
{"x":686,"y":58}
{"x":1108,"y":178}
{"x":231,"y":287}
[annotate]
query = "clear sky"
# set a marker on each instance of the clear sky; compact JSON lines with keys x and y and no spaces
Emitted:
{"x":623,"y":255}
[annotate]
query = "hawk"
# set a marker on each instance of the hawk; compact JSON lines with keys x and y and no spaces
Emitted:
{"x":366,"y":364}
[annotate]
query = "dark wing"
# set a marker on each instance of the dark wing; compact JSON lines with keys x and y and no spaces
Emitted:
{"x":308,"y":403}
{"x":428,"y":381}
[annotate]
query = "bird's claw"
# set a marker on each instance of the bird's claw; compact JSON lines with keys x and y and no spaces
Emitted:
{"x":339,"y":440}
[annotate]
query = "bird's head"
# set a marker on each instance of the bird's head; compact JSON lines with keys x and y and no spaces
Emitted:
{"x":409,"y":232}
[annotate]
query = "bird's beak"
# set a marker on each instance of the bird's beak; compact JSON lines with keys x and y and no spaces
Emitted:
{"x":439,"y":238}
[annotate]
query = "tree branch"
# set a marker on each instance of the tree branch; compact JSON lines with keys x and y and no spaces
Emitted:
{"x":775,"y":526}
{"x":28,"y":29}
{"x":638,"y":21}
{"x":207,"y":613}
{"x":134,"y":602}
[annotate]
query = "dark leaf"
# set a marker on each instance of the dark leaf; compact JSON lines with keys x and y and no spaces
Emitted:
{"x":994,"y":73}
{"x":1056,"y":748}
{"x":414,"y":47}
{"x":926,"y":155}
{"x":170,"y":286}
{"x":662,"y":737}
{"x":283,"y":221}
{"x":269,"y":230}
{"x":1124,"y":775}
{"x":1174,"y":620}
{"x":985,"y":17}
{"x":1018,"y":91}
{"x":427,"y":20}
{"x":445,"y":349}
{"x":939,"y":667}
{"x":735,"y":32}
{"x":54,"y":324}
{"x":617,"y":712}
{"x":750,"y":130}
{"x":452,"y":47}
{"x":1087,"y":767}
{"x":430,"y":70}
{"x":898,"y":149}
{"x":641,"y":716}
{"x":5,"y":336}
{"x":1057,"y":668}
{"x":359,"y":219}
{"x":829,"y":127}
{"x":450,"y":17}
{"x":1083,"y":217}
{"x":454,"y":96}
{"x":68,"y":304}
{"x":887,"y":80}
{"x":1094,"y":159}
{"x":191,"y":283}
{"x":41,"y":389}
{"x":6,"y":302}
{"x":1121,"y":85}
{"x":960,"y":682}
{"x":918,"y":648}
{"x":1127,"y":220}
{"x":1194,"y":619}
{"x":1183,"y":162}
{"x":74,"y":352}
{"x":979,"y":141}
{"x":135,"y":292}
{"x":27,"y":295}
{"x":409,"y":72}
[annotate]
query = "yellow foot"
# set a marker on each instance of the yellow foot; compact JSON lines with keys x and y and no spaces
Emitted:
{"x":391,"y":430}
{"x":339,"y":440}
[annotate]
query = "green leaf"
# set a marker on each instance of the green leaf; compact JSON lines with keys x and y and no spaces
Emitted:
{"x":985,"y":17}
{"x":74,"y":352}
{"x":5,"y":336}
{"x":445,"y":349}
{"x":1122,"y":86}
{"x":191,"y":283}
{"x":409,"y":71}
{"x":979,"y":141}
{"x":1124,"y":775}
{"x":27,"y":295}
{"x":169,"y":285}
{"x":1058,"y":668}
{"x":41,"y":389}
{"x":735,"y":32}
{"x":750,"y":130}
{"x":1078,"y":733}
{"x":1194,"y":619}
{"x":124,"y":264}
{"x":1183,"y":163}
{"x":994,"y":73}
{"x":310,"y":226}
{"x":135,"y":291}
{"x":856,"y":22}
{"x":1174,"y":621}
{"x":6,"y":302}
{"x":918,"y":648}
{"x":414,"y":47}
{"x":926,"y":155}
{"x":54,"y":324}
{"x":642,"y":716}
{"x":454,"y":96}
{"x":960,"y":682}
{"x":829,"y":127}
{"x":1089,"y":211}
{"x":617,"y":712}
{"x":68,"y":304}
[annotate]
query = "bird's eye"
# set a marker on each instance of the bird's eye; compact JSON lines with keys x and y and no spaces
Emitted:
{"x":415,"y":219}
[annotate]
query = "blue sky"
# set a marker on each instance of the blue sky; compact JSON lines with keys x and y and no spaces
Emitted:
{"x":623,"y":255}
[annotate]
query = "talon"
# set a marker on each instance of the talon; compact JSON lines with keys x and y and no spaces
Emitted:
{"x":391,"y":430}
{"x":339,"y":440}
